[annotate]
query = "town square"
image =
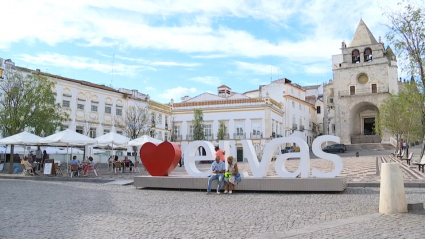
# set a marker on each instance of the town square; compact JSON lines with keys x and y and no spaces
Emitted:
{"x":199,"y":119}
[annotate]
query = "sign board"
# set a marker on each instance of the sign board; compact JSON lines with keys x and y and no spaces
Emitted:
{"x":49,"y":167}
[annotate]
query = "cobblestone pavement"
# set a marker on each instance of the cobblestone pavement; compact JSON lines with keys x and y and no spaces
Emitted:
{"x":46,"y":209}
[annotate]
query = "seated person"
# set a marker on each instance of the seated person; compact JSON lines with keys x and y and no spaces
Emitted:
{"x":27,"y":165}
{"x":218,"y":168}
{"x":115,"y":161}
{"x":74,"y":161}
{"x":90,"y":165}
{"x":232,"y":176}
{"x":127,"y":163}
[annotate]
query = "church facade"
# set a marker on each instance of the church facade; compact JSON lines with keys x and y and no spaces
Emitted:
{"x":364,"y":75}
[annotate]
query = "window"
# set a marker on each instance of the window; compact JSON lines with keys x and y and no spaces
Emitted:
{"x":352,"y":90}
{"x":300,"y":106}
{"x":293,"y":120}
{"x":118,"y":111}
{"x":374,"y":89}
{"x":108,"y":109}
{"x":80,"y":106}
{"x":119,"y":132}
{"x":256,"y":132}
{"x":239,"y":129}
{"x":318,"y":109}
{"x":207,"y":130}
{"x":191,"y":130}
{"x":331,"y":100}
{"x":94,"y":108}
{"x":106,"y":131}
{"x":293,"y":104}
{"x":65,"y":103}
{"x":333,"y":128}
{"x":301,"y":122}
{"x":273,"y":126}
{"x":79,"y":130}
{"x":92,"y":133}
{"x":166,"y":122}
{"x":177,"y":130}
{"x":166,"y":136}
{"x":160,"y":118}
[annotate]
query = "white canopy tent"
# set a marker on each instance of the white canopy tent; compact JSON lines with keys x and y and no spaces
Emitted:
{"x":144,"y":139}
{"x":112,"y":140}
{"x":23,"y":138}
{"x":68,"y":138}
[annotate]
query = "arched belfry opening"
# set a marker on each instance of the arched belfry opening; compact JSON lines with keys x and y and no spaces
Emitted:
{"x":363,"y":118}
{"x":367,"y":55}
{"x":356,"y":56}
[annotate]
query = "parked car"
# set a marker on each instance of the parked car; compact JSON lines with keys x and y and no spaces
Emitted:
{"x":288,"y":149}
{"x":335,"y":148}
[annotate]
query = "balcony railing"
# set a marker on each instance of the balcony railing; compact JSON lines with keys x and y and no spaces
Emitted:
{"x":209,"y":137}
{"x":256,"y":135}
{"x":363,"y":91}
{"x":189,"y":137}
{"x":239,"y":136}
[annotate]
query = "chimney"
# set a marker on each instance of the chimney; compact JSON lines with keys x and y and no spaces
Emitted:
{"x":379,"y":39}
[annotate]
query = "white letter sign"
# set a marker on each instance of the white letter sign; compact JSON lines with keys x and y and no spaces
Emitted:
{"x":190,"y":158}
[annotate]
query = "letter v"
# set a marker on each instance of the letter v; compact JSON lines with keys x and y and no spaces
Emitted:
{"x":258,"y":169}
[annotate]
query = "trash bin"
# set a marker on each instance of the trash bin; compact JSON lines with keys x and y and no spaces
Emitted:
{"x":16,"y":169}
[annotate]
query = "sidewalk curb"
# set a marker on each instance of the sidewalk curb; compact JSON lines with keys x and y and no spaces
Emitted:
{"x":377,"y":185}
{"x":85,"y":180}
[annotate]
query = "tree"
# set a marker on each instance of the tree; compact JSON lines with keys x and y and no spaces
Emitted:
{"x":222,"y":131}
{"x":135,"y":123}
{"x":173,"y":133}
{"x":407,"y":34}
{"x":27,"y":101}
{"x":400,"y":115}
{"x":152,"y":125}
{"x":198,"y":125}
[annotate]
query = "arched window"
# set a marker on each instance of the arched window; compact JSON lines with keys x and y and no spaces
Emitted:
{"x":367,"y":54}
{"x":356,"y":56}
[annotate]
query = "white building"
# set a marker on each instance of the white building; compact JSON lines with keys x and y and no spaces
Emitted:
{"x":275,"y":110}
{"x":95,"y":109}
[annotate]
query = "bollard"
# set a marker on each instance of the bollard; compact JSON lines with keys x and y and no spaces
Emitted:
{"x":392,"y":195}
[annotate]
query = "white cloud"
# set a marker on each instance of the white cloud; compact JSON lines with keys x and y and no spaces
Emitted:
{"x":129,"y":24}
{"x":77,"y":62}
{"x":255,"y":68}
{"x":150,"y":88}
{"x":154,"y":63}
{"x":177,"y":93}
{"x":317,"y":69}
{"x":209,"y":80}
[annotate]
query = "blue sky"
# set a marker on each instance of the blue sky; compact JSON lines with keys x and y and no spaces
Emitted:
{"x":169,"y":49}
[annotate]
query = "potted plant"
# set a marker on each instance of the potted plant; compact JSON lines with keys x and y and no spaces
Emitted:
{"x":357,"y":154}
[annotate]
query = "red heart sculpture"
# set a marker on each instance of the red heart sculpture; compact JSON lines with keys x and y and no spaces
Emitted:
{"x":162,"y":159}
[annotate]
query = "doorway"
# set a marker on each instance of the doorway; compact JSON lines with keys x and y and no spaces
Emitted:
{"x":369,"y":126}
{"x":239,"y":154}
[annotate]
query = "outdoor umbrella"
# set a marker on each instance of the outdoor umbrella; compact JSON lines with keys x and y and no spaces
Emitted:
{"x":112,"y":139}
{"x":144,"y":139}
{"x":68,"y":138}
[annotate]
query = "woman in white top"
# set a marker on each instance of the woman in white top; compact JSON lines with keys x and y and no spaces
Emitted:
{"x":230,"y":175}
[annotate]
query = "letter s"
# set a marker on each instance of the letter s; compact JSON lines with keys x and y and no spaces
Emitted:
{"x":336,"y":159}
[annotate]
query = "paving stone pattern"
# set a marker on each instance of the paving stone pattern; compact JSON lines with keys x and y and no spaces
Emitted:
{"x":46,"y":209}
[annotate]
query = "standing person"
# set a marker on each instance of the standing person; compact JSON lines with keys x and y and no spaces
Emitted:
{"x":232,"y":176}
{"x":38,"y":157}
{"x":181,"y":159}
{"x":401,"y":145}
{"x":404,"y":145}
{"x":220,"y":153}
{"x":218,"y":168}
{"x":45,"y":156}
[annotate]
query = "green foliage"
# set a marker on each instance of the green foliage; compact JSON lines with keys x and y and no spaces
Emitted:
{"x":222,"y":131}
{"x":407,"y":34}
{"x":28,"y":102}
{"x":198,"y":125}
{"x":401,"y":115}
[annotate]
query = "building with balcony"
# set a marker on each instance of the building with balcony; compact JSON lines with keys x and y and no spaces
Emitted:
{"x":360,"y":85}
{"x":95,"y":109}
{"x":259,"y":115}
